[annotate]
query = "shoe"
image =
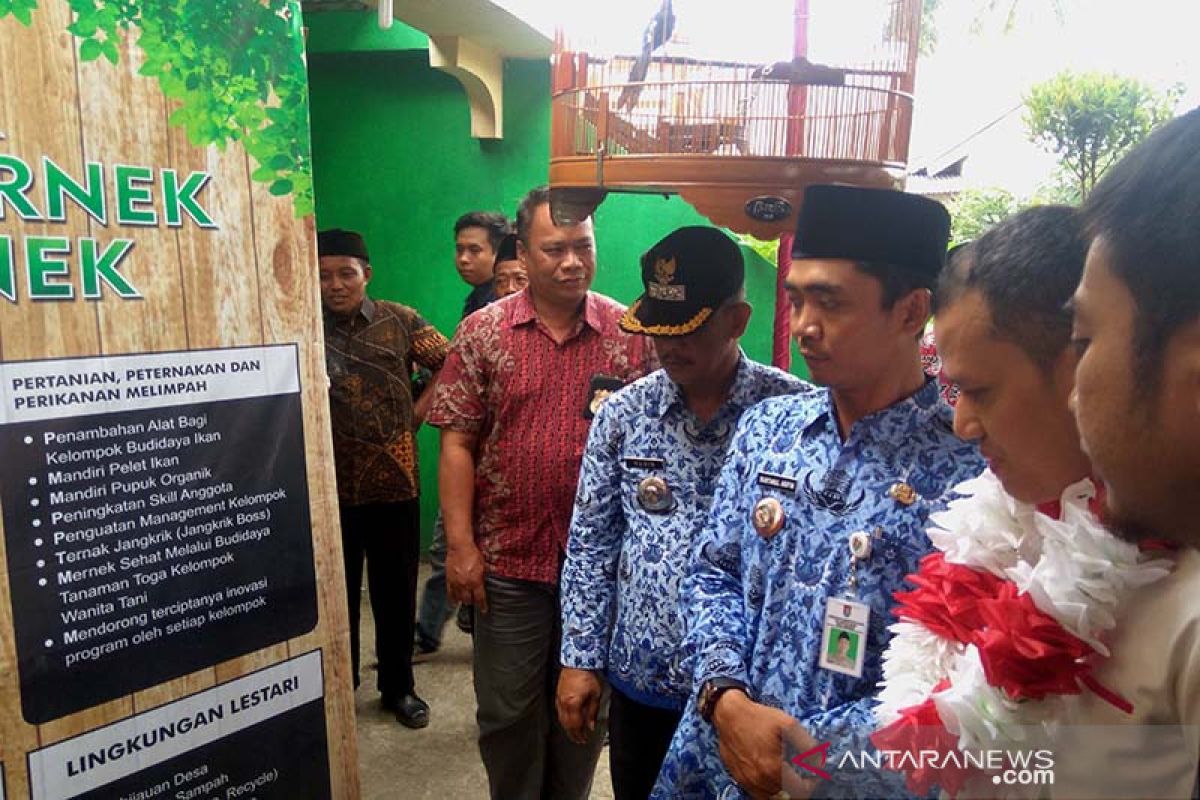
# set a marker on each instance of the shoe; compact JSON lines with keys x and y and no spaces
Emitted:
{"x":465,"y":619}
{"x":410,"y":710}
{"x":423,"y":647}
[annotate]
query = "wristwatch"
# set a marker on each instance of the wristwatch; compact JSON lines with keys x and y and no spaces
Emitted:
{"x":711,"y":691}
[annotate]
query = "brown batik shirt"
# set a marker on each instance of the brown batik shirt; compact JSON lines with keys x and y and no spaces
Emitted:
{"x":370,"y":359}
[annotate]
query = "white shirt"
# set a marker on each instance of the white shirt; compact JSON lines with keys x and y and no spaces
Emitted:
{"x":1102,"y":752}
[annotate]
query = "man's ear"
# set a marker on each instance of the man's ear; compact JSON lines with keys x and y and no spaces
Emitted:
{"x":522,"y":255}
{"x":1062,"y":373}
{"x":739,"y":318}
{"x":1184,"y":351}
{"x":913,"y":311}
{"x":366,"y":272}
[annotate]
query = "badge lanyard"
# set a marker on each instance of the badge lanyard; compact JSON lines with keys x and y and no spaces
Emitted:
{"x":847,"y":618}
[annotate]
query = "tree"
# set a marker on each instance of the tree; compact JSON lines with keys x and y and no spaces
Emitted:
{"x":1091,"y":119}
{"x":973,"y":211}
{"x":985,"y":10}
{"x":929,"y":33}
{"x":989,"y":8}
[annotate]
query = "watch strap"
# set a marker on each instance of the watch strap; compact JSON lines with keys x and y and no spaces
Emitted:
{"x":711,"y":691}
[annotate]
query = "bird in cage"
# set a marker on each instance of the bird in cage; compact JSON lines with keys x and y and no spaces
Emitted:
{"x":800,"y":70}
{"x":657,"y":33}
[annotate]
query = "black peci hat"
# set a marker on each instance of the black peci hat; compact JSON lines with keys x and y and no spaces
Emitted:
{"x":338,"y":242}
{"x":507,"y":249}
{"x":878,"y":225}
{"x":687,"y":276}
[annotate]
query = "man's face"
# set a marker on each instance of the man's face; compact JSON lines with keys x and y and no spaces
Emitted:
{"x":1144,"y":445}
{"x":343,"y":283}
{"x":1013,"y":409}
{"x":843,"y":647}
{"x":701,"y":358}
{"x":473,"y":255}
{"x":510,"y":277}
{"x":847,"y":339}
{"x":560,"y":262}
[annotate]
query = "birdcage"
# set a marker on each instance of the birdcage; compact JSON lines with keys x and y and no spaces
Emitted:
{"x":734,"y":106}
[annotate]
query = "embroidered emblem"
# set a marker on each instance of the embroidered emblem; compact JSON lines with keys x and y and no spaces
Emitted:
{"x":832,"y":496}
{"x":664,"y":270}
{"x":661,"y":287}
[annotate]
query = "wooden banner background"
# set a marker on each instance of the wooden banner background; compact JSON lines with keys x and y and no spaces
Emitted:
{"x":251,"y":281}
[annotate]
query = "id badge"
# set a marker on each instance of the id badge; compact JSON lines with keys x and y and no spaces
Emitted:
{"x":844,"y":640}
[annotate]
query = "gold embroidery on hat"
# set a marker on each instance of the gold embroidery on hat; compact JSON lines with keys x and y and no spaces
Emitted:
{"x":661,"y":288}
{"x":631,"y":324}
{"x":664,"y":270}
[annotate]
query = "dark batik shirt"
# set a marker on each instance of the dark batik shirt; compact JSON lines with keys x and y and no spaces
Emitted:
{"x":370,"y":359}
{"x":480,"y":296}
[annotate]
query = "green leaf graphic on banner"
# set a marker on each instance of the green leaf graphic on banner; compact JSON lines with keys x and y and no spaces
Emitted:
{"x":90,"y":50}
{"x":233,"y":70}
{"x":21,"y":10}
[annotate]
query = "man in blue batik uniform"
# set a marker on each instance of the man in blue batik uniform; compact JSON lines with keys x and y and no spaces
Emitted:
{"x":820,"y":512}
{"x":649,"y":471}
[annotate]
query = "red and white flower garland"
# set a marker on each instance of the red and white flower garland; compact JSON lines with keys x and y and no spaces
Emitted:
{"x":1005,"y":624}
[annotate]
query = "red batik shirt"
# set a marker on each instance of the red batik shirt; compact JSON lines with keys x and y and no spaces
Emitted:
{"x":526,"y":397}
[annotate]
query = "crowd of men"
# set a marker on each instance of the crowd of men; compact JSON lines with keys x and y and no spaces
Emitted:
{"x":695,"y":557}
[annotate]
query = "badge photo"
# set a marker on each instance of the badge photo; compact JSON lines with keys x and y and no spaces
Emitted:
{"x":844,"y":636}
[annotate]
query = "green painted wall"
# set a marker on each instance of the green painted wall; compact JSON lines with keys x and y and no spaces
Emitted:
{"x":394,"y":159}
{"x":348,"y":31}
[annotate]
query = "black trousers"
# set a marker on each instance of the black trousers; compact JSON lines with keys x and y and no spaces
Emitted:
{"x":638,"y":738}
{"x":388,"y":535}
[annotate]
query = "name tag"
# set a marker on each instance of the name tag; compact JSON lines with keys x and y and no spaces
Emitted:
{"x":780,"y":482}
{"x":645,"y":463}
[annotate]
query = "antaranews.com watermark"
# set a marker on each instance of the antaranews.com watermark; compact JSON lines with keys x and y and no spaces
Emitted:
{"x":1096,"y":762}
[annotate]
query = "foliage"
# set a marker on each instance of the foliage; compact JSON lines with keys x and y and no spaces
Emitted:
{"x":1061,"y":189}
{"x":929,"y":32}
{"x":22,"y":10}
{"x":985,"y":10}
{"x":234,"y":69}
{"x":973,"y":211}
{"x":988,"y":8}
{"x":769,"y":250}
{"x":1091,"y":119}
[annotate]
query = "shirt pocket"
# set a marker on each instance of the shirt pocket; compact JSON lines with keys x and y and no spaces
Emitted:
{"x":898,"y":543}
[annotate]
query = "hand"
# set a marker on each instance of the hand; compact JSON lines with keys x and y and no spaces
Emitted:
{"x":752,"y":737}
{"x":464,"y":576}
{"x":578,"y":703}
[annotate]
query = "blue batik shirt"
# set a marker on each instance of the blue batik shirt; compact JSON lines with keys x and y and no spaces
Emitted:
{"x":756,"y":605}
{"x":620,"y":583}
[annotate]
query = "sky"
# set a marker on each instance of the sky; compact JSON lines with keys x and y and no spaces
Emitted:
{"x":975,"y":77}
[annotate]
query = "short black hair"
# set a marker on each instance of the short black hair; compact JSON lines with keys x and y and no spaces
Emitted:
{"x":538,"y":196}
{"x":1147,"y":211}
{"x":896,"y":281}
{"x":495,"y":223}
{"x":1026,"y":267}
{"x":843,"y":635}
